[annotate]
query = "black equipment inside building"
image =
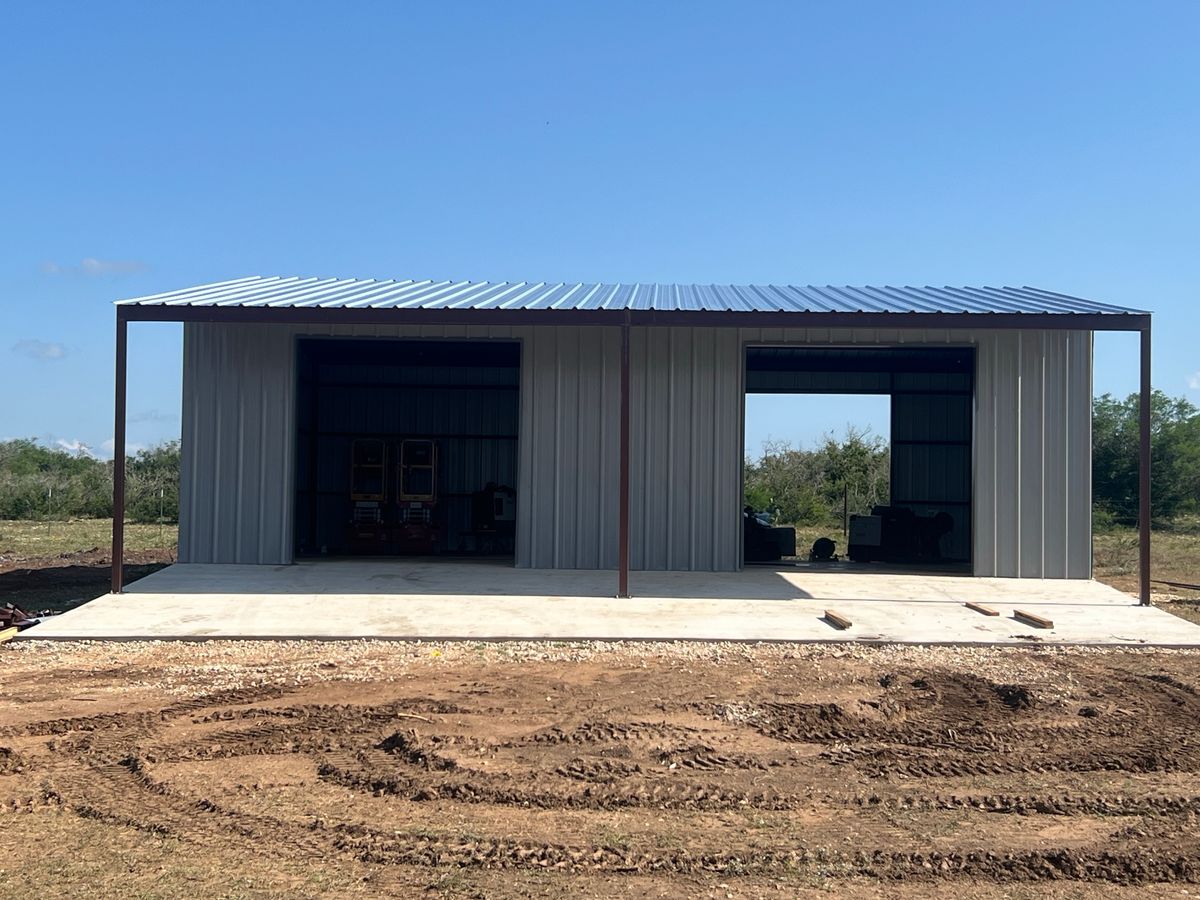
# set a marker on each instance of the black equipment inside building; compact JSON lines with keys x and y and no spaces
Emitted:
{"x":898,"y":534}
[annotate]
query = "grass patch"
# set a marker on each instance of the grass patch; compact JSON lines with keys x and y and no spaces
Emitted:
{"x":1174,"y":556}
{"x":25,"y":538}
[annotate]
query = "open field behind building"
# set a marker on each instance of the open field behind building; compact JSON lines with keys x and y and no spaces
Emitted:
{"x":27,"y":539}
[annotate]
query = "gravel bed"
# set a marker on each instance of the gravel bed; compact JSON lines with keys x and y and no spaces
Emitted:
{"x":188,"y":669}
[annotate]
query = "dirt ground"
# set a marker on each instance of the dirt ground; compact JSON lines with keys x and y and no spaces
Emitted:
{"x":58,"y":565}
{"x":540,"y":770}
{"x":66,"y":580}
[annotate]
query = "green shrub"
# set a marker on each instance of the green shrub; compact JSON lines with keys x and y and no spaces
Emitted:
{"x":806,"y":487}
{"x":39,"y":482}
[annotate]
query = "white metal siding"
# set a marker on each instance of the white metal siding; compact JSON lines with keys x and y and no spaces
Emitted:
{"x":1033,"y":443}
{"x":1031,"y":470}
{"x":236,"y":490}
{"x":569,"y":448}
{"x":686,"y":434}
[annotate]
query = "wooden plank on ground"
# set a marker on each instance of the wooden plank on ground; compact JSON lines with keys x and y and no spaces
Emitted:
{"x":1179,"y":584}
{"x":836,"y":620}
{"x":980,"y":608}
{"x":1032,"y":619}
{"x":7,"y":633}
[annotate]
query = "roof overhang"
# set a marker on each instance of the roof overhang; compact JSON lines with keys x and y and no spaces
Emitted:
{"x":248,"y":315}
{"x":356,"y":301}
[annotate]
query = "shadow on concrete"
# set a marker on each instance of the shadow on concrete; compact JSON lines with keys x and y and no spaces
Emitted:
{"x":64,"y":587}
{"x":460,"y":578}
{"x":397,"y":579}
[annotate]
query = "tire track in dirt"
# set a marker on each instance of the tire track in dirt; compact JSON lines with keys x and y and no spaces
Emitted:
{"x":1115,"y":805}
{"x":603,"y":771}
{"x":1133,"y":866}
{"x":705,"y":758}
{"x":953,"y":725}
{"x":611,"y":732}
{"x":362,"y":773}
{"x":124,"y":794}
{"x":140,"y":722}
{"x":887,"y":762}
{"x":306,"y":728}
{"x":919,"y":724}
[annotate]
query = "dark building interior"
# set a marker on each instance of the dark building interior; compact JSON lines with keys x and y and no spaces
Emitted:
{"x":406,"y":446}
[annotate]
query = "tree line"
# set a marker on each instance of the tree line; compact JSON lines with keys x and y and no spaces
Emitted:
{"x":1174,"y":458}
{"x":809,"y":486}
{"x":38,"y":482}
{"x":797,"y":485}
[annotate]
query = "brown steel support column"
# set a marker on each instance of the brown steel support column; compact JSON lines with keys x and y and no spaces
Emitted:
{"x":118,"y":528}
{"x":623,"y":513}
{"x":1144,"y":473}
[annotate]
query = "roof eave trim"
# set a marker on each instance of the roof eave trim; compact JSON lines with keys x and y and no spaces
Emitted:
{"x":1124,"y":321}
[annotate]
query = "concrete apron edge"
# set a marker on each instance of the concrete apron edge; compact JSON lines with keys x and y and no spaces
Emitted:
{"x":1115,"y":644}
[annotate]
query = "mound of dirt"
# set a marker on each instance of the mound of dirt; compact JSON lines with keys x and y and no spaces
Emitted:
{"x":10,"y":761}
{"x":1015,"y":696}
{"x":408,"y":746}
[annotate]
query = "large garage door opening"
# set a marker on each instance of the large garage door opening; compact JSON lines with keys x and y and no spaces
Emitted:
{"x":922,"y":515}
{"x":406,"y":447}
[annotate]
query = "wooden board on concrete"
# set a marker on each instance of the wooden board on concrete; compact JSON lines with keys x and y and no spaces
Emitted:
{"x":1032,"y":619}
{"x":7,"y":633}
{"x":980,"y":608}
{"x":836,"y":620}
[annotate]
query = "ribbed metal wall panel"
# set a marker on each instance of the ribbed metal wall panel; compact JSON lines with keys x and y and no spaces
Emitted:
{"x":685,"y":473}
{"x":685,"y":481}
{"x":1033,"y":438}
{"x":931,"y":437}
{"x":236,"y":486}
{"x":569,"y":448}
{"x":1031,"y":468}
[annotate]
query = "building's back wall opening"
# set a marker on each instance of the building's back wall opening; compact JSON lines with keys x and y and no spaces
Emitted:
{"x":926,"y":517}
{"x":406,"y":447}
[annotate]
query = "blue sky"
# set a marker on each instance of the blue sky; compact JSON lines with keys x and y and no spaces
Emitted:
{"x":153,"y":146}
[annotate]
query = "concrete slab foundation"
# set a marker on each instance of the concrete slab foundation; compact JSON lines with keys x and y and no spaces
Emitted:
{"x":346,"y":599}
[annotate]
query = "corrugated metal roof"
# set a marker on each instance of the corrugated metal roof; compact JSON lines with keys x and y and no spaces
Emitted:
{"x":359,"y":293}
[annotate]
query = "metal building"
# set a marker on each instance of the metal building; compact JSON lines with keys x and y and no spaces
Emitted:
{"x":615,"y":412}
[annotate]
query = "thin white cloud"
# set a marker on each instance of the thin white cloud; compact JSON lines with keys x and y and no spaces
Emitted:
{"x":76,"y":446}
{"x":1194,"y":380}
{"x":93,"y":267}
{"x":131,"y":447}
{"x":36,"y":349}
{"x":152,"y":415}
